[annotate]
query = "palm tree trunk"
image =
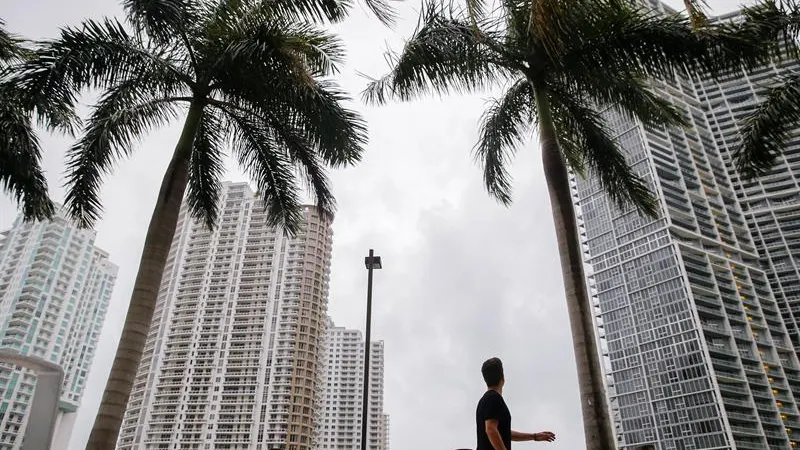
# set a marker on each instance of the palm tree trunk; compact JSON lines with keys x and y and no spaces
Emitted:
{"x":145,"y":290}
{"x":596,"y":423}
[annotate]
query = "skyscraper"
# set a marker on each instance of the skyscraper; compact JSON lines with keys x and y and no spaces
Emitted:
{"x":771,"y":203}
{"x":55,"y":286}
{"x":232,"y":360}
{"x":340,"y":410}
{"x":697,"y":350}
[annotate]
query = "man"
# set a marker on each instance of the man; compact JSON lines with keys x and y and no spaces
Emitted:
{"x":492,"y":418}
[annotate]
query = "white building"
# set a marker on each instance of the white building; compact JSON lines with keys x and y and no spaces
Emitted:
{"x":232,"y":361}
{"x":693,"y":306}
{"x":340,"y":418}
{"x":384,"y":435}
{"x":55,"y":286}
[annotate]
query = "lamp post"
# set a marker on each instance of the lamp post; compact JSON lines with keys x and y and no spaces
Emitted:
{"x":373,"y":263}
{"x":44,"y":407}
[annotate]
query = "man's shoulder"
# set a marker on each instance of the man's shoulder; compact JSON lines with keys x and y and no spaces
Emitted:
{"x":491,"y":393}
{"x":490,"y":396}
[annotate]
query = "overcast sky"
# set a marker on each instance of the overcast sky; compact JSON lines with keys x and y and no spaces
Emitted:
{"x":464,"y":279}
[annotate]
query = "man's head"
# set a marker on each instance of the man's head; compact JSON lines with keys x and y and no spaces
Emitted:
{"x":492,"y":370}
{"x":646,"y":447}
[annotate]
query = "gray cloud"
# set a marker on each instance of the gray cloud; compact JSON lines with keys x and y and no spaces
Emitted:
{"x":464,"y":279}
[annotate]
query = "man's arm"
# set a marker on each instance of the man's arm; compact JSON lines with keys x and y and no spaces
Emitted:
{"x":494,"y":434}
{"x":518,"y":436}
{"x":541,"y":436}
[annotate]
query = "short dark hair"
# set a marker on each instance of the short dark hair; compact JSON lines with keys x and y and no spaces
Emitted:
{"x":492,"y":370}
{"x":646,"y":447}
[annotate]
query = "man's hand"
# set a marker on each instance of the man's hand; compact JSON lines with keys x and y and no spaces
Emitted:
{"x":545,"y":436}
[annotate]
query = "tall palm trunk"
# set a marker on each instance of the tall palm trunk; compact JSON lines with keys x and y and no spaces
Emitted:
{"x":596,"y":422}
{"x":145,"y":290}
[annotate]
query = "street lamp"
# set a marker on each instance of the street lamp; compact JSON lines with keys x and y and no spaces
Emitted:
{"x":373,"y":263}
{"x":43,"y":410}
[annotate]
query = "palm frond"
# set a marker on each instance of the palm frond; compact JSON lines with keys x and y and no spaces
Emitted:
{"x":503,"y":128}
{"x":551,"y":22}
{"x":124,"y":113}
{"x":695,"y":9}
{"x":206,"y":169}
{"x":313,"y":10}
{"x":330,"y":10}
{"x":10,"y":46}
{"x":305,"y":157}
{"x":772,"y":25}
{"x":582,"y":131}
{"x":632,"y":40}
{"x":299,"y":47}
{"x":383,"y":11}
{"x":476,"y":10}
{"x":339,"y":134}
{"x":443,"y":55}
{"x":628,"y":93}
{"x":767,"y":130}
{"x":759,"y":34}
{"x":95,"y":55}
{"x":321,"y":51}
{"x":162,"y":20}
{"x":550,"y":25}
{"x":21,"y":173}
{"x":257,"y":152}
{"x":643,"y":42}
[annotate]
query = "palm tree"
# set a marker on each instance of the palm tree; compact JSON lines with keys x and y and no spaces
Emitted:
{"x":766,"y":131}
{"x":558,"y":61}
{"x":241,"y":73}
{"x":695,"y":9}
{"x":21,"y":173}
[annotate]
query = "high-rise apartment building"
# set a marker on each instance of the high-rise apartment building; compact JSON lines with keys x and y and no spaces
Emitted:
{"x":693,"y":307}
{"x":340,"y":412}
{"x":384,"y":432}
{"x":232,"y":360}
{"x":55,"y":286}
{"x":770,"y":203}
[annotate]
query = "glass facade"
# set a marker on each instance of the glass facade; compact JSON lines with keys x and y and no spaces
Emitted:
{"x":55,"y":286}
{"x":695,"y":309}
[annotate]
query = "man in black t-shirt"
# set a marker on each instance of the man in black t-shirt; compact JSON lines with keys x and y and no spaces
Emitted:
{"x":492,"y":418}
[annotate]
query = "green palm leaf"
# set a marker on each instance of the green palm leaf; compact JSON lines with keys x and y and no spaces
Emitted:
{"x":122,"y":115}
{"x":10,"y":46}
{"x":503,"y":129}
{"x":160,"y":20}
{"x":582,"y":131}
{"x":310,"y":165}
{"x":271,"y":169}
{"x":767,"y":130}
{"x":96,"y":55}
{"x":696,"y":11}
{"x":21,"y":173}
{"x":443,"y":55}
{"x":331,"y":10}
{"x":630,"y":94}
{"x":206,"y":169}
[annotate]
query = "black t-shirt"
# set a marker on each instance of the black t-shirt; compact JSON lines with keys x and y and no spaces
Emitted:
{"x":492,"y":407}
